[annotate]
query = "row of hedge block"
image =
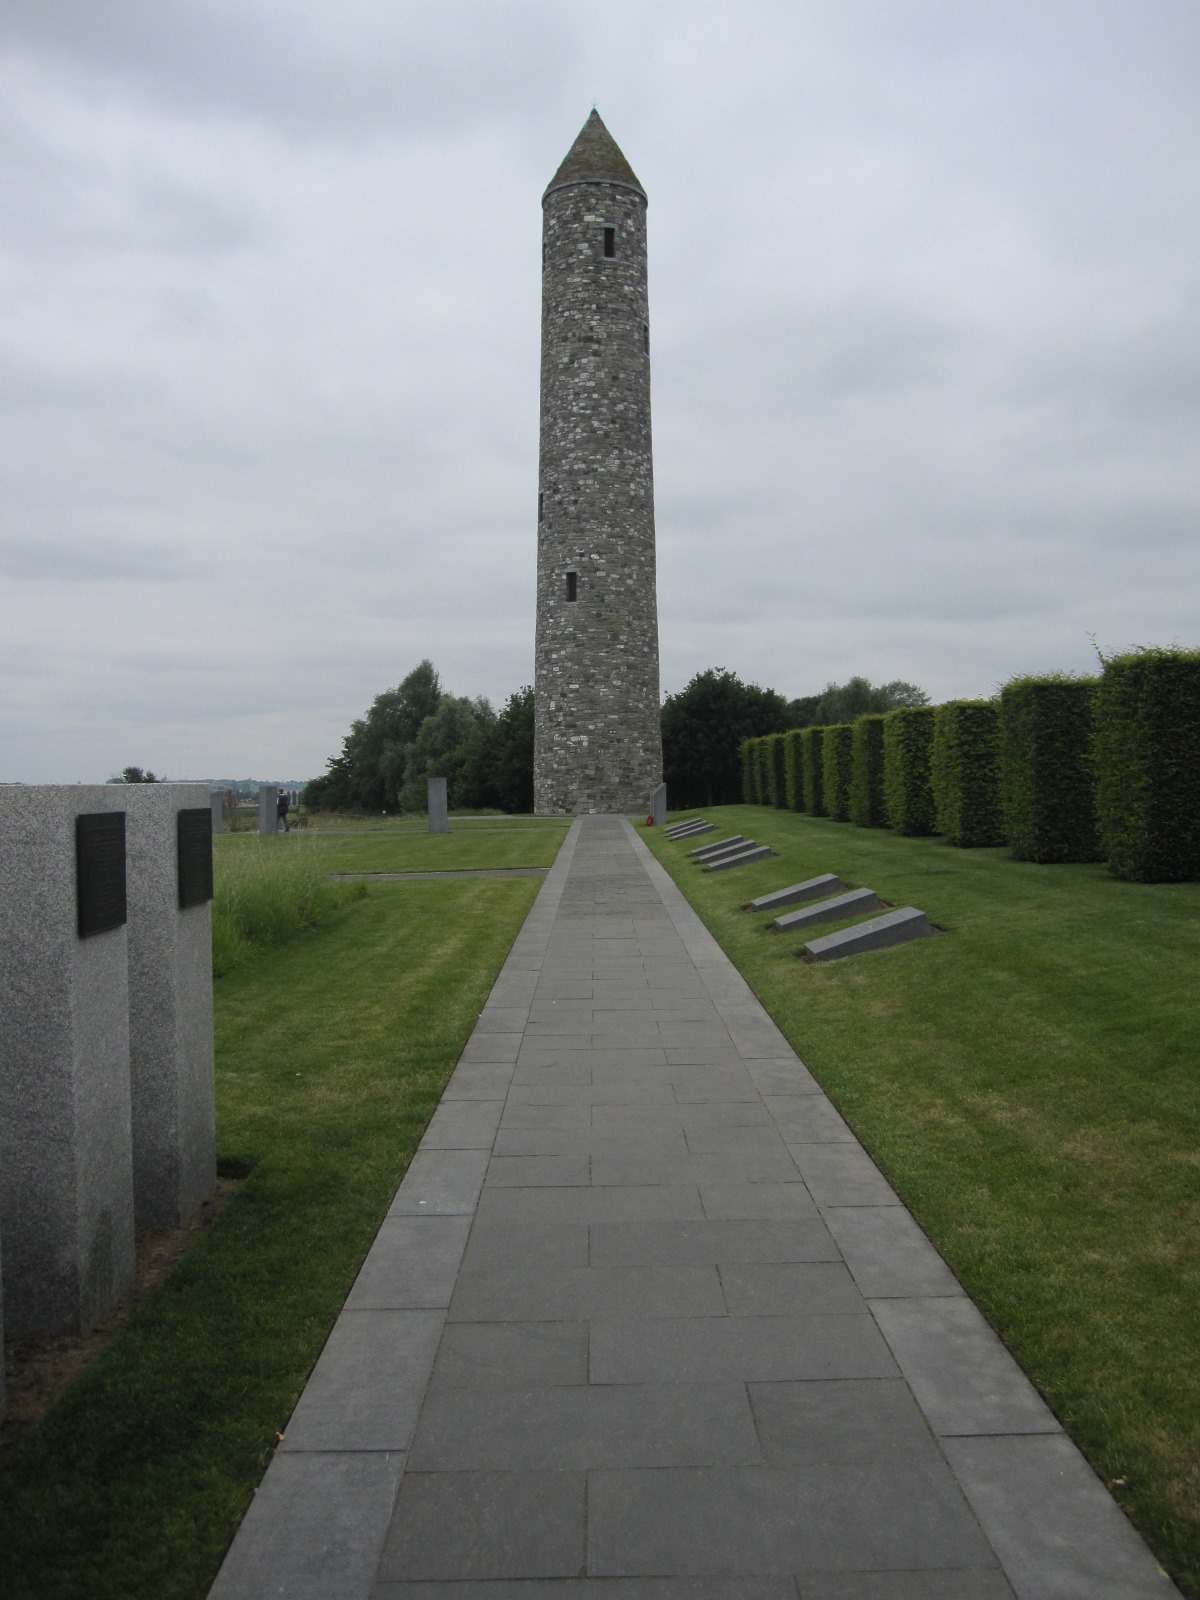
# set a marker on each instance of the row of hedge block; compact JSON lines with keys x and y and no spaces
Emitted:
{"x":1147,"y":752}
{"x":1059,"y":768}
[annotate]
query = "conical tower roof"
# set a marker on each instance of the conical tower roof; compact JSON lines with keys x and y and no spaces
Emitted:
{"x":595,"y":157}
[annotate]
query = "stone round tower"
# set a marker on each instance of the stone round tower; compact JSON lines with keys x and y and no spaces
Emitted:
{"x":597,"y":738}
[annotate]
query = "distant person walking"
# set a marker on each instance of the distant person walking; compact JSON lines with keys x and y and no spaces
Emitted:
{"x":281,"y":811}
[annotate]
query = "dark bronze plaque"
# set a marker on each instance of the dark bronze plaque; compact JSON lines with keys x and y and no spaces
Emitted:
{"x":100,"y":872}
{"x":193,"y":830}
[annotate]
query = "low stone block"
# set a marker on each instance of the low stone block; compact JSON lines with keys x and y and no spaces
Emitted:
{"x":216,"y":801}
{"x":439,"y":815}
{"x":704,"y":852}
{"x":66,"y":1155}
{"x":743,"y":859}
{"x":810,"y":889}
{"x":894,"y":927}
{"x":838,"y":909}
{"x":268,"y":808}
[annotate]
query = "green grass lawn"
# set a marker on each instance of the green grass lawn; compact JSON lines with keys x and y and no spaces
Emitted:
{"x":367,"y":849}
{"x":332,"y":1052}
{"x":1028,"y":1082}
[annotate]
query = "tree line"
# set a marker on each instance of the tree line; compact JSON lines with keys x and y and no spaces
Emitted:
{"x":418,"y":731}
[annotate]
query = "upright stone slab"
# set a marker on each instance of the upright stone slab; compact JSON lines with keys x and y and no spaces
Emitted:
{"x":658,"y":806}
{"x":66,"y":1155}
{"x":169,"y":843}
{"x":216,"y":802}
{"x":439,"y":815}
{"x":268,"y":808}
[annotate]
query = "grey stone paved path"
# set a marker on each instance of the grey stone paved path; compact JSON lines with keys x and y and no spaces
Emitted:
{"x":645,"y":1321}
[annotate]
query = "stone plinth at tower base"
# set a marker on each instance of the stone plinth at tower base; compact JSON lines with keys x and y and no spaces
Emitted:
{"x":66,"y":1164}
{"x":169,"y":841}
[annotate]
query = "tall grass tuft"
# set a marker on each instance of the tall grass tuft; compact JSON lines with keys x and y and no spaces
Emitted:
{"x":266,"y":891}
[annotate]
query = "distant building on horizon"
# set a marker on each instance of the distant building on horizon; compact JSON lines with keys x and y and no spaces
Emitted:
{"x":597,"y":730}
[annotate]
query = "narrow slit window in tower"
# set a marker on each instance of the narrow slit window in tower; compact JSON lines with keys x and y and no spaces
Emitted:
{"x":541,"y":505}
{"x":646,"y":337}
{"x":610,"y":242}
{"x":572,"y":586}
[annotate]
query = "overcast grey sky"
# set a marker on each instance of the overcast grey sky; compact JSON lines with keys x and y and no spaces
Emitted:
{"x":925,"y":302}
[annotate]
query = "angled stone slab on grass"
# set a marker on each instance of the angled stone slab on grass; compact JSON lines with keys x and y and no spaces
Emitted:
{"x":725,"y":850}
{"x":680,"y":830}
{"x":894,"y":927}
{"x":743,"y":859}
{"x":719,"y":844}
{"x":797,"y":893}
{"x":835,"y":910}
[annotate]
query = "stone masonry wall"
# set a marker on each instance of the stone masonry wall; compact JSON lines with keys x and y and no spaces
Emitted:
{"x":597,"y":743}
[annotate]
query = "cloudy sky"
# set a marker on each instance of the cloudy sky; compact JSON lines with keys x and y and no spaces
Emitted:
{"x":925,"y":301}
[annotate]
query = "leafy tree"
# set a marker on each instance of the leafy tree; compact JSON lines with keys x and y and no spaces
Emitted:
{"x":848,"y":701}
{"x":135,"y":775}
{"x":449,"y":744}
{"x":510,"y":767}
{"x":703,"y":727}
{"x":369,"y":773}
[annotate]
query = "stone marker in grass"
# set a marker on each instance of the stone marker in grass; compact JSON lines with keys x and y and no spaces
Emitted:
{"x":742,"y":859}
{"x":810,"y":889}
{"x":435,"y":802}
{"x":835,"y":910}
{"x":268,"y":809}
{"x":894,"y":927}
{"x":680,"y":830}
{"x":658,"y":805}
{"x":702,"y":850}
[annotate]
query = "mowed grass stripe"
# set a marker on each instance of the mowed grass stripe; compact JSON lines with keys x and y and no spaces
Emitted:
{"x":457,"y":851}
{"x":1028,"y":1082}
{"x":332,"y":1053}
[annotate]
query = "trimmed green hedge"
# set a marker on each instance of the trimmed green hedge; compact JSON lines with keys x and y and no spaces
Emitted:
{"x":837,"y":757}
{"x":763,"y":758}
{"x":776,"y":761}
{"x":966,"y":772}
{"x":907,"y":779}
{"x":812,"y":747}
{"x":1047,"y":775}
{"x":1148,"y":765}
{"x":867,"y":808}
{"x":748,"y":772}
{"x":793,"y":770}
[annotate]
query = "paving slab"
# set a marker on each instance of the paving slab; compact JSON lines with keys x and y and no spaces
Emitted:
{"x":645,"y":1322}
